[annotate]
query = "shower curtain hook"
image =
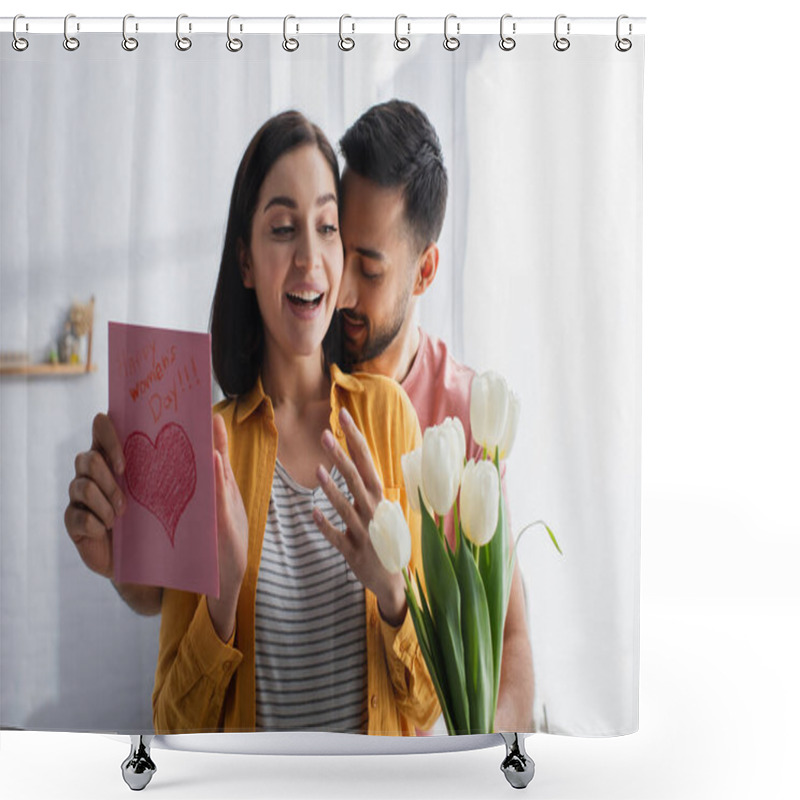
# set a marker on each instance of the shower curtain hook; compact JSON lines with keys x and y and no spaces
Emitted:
{"x":561,"y":43}
{"x":183,"y":43}
{"x":507,"y":42}
{"x":401,"y":42}
{"x":345,"y":42}
{"x":18,"y":43}
{"x":129,"y":43}
{"x":623,"y":45}
{"x":234,"y":45}
{"x":451,"y":42}
{"x":70,"y":42}
{"x":289,"y":45}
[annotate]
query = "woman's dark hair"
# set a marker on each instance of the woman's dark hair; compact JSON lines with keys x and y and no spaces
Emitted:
{"x":237,"y":332}
{"x":394,"y":145}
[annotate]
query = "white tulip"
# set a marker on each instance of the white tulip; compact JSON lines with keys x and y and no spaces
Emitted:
{"x":512,"y":418}
{"x":488,"y":409}
{"x":412,"y":477}
{"x":480,"y":498}
{"x":443,"y":452}
{"x":390,"y":536}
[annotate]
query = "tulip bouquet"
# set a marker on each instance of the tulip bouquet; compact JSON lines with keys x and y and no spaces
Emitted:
{"x":459,"y":612}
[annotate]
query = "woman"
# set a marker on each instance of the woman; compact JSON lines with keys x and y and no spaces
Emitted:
{"x":307,"y":631}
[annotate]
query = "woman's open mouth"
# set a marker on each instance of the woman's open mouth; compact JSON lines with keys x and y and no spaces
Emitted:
{"x":305,"y":304}
{"x":306,"y":299}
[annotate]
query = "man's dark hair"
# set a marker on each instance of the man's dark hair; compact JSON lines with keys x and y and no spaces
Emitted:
{"x":394,"y":145}
{"x":237,"y":331}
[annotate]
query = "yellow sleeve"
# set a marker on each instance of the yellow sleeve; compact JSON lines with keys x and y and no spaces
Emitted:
{"x":195,"y":667}
{"x":413,"y":688}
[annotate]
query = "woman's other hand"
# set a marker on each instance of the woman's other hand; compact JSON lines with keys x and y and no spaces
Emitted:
{"x":95,"y":498}
{"x":354,"y":544}
{"x":232,"y":536}
{"x":96,"y":501}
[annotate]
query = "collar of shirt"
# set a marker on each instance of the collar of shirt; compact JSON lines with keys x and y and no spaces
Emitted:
{"x":250,"y":402}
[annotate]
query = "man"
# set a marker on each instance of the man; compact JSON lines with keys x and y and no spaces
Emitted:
{"x":394,"y":193}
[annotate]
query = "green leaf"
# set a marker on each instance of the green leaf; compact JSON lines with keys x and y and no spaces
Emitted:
{"x":423,"y":625}
{"x":492,"y":563}
{"x":444,"y":600}
{"x":477,"y":636}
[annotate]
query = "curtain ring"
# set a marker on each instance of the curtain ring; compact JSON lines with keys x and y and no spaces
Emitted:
{"x":623,"y":45}
{"x":345,"y":42}
{"x":129,"y":43}
{"x":18,"y":43}
{"x":561,"y":43}
{"x":70,"y":42}
{"x":234,"y":45}
{"x":507,"y":42}
{"x":289,"y":45}
{"x":401,"y":42}
{"x":183,"y":43}
{"x":451,"y":42}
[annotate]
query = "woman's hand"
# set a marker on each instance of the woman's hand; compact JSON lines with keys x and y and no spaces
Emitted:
{"x":354,"y":544}
{"x":95,"y":498}
{"x":232,"y":536}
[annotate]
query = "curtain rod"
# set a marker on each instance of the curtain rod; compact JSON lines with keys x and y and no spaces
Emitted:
{"x":460,"y":26}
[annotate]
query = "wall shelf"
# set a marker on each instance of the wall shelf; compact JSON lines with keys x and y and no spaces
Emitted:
{"x":42,"y":370}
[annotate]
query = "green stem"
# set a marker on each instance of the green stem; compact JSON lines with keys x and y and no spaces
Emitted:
{"x":456,"y":525}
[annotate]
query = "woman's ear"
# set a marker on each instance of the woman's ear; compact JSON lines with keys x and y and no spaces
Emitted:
{"x":427,"y":265}
{"x":245,"y":268}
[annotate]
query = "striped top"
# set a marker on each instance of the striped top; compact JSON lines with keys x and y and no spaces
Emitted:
{"x":311,"y":655}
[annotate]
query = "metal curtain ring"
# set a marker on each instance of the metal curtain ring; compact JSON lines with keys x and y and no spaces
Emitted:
{"x":182,"y":42}
{"x":234,"y":45}
{"x":623,"y":45}
{"x":507,"y":42}
{"x":401,"y":42}
{"x":128,"y":42}
{"x":70,"y":42}
{"x":289,"y":44}
{"x":345,"y":42}
{"x":561,"y":43}
{"x":18,"y":43}
{"x":451,"y":42}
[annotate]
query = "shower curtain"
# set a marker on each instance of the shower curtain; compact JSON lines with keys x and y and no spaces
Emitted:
{"x":116,"y":170}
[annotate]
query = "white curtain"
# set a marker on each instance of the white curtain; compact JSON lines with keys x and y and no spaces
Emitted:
{"x":115,"y":176}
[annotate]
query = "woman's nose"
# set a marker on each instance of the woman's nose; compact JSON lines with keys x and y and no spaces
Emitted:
{"x":307,"y":252}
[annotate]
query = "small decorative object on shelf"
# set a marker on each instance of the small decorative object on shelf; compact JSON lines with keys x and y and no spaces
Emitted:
{"x":65,"y":359}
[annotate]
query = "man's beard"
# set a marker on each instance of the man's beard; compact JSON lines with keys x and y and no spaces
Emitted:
{"x":378,"y":340}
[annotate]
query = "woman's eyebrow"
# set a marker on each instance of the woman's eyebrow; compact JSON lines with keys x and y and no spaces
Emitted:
{"x":280,"y":201}
{"x":288,"y":202}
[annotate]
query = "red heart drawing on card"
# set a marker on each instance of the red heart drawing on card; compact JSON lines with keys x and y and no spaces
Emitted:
{"x":161,"y":476}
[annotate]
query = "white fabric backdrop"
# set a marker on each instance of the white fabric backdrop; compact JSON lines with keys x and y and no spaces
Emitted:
{"x":115,"y":175}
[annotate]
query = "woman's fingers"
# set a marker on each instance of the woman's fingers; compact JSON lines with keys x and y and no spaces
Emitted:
{"x":339,"y":539}
{"x":360,"y":454}
{"x":91,"y":538}
{"x":93,"y":467}
{"x":220,"y":439}
{"x":219,"y":484}
{"x":85,"y":492}
{"x":342,"y":504}
{"x":106,"y":441}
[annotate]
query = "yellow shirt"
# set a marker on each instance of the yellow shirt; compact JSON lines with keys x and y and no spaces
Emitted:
{"x":204,"y":684}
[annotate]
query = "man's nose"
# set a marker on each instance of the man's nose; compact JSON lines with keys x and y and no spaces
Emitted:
{"x":348,"y":295}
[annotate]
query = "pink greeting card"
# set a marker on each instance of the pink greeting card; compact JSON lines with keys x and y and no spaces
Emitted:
{"x":159,"y":399}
